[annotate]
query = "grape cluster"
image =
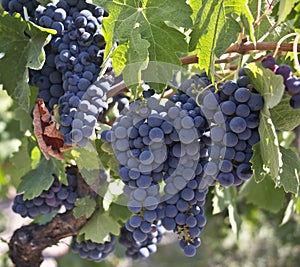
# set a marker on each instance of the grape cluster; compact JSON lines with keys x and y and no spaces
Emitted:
{"x":74,"y":59}
{"x":79,"y":51}
{"x":49,"y":200}
{"x":157,"y":142}
{"x":18,"y":6}
{"x":139,"y":250}
{"x":292,"y":84}
{"x":93,"y":251}
{"x":232,"y":113}
{"x":180,"y":147}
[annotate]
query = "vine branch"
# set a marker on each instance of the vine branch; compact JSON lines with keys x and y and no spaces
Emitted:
{"x":242,"y":48}
{"x":28,"y":242}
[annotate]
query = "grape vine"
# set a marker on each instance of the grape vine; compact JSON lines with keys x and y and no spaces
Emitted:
{"x":130,"y":123}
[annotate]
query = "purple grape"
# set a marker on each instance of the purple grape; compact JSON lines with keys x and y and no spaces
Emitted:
{"x":268,"y":62}
{"x":284,"y":70}
{"x":293,"y":85}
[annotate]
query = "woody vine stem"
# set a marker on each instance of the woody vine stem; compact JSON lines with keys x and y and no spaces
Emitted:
{"x":243,"y":48}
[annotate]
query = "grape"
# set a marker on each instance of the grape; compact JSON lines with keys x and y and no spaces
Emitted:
{"x":255,"y":102}
{"x":93,"y":251}
{"x":244,"y":171}
{"x":284,"y":70}
{"x":268,"y":62}
{"x":243,"y":81}
{"x":242,"y":95}
{"x":238,"y":124}
{"x":252,"y":121}
{"x":137,"y":250}
{"x":229,"y":87}
{"x":295,"y":101}
{"x":226,"y":179}
{"x":228,"y":107}
{"x":243,"y":110}
{"x":293,"y":85}
{"x":156,"y":134}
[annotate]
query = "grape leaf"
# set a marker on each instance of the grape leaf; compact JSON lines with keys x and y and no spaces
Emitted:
{"x":119,"y":212}
{"x":264,"y":194}
{"x":269,"y":146}
{"x":289,"y":212}
{"x":87,"y":158}
{"x":285,"y":7}
{"x":99,"y":226}
{"x":227,"y":36}
{"x":45,"y":218}
{"x":24,"y":50}
{"x":284,"y":117}
{"x":149,"y":30}
{"x":38,"y":179}
{"x":207,"y":27}
{"x":240,"y":7}
{"x":215,"y":29}
{"x":298,"y":205}
{"x":259,"y":173}
{"x":131,"y":52}
{"x":289,"y":178}
{"x":84,"y":207}
{"x":223,"y":197}
{"x":89,"y":165}
{"x":21,"y":159}
{"x":234,"y":219}
{"x":267,"y":23}
{"x":267,"y":83}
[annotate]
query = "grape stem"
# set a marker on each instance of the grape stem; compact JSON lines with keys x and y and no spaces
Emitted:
{"x":243,"y":48}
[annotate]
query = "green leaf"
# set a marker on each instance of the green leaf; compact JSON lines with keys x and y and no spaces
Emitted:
{"x":119,"y":58}
{"x":119,"y":212}
{"x":285,"y":7}
{"x":289,"y":211}
{"x":234,"y":219}
{"x":41,"y":178}
{"x":240,"y":7}
{"x":21,"y":159}
{"x":259,"y":173}
{"x":24,"y":50}
{"x":284,"y":117}
{"x":99,"y":226}
{"x":89,"y":165}
{"x":137,"y":55}
{"x":227,"y":36}
{"x":269,"y":146}
{"x":223,"y":197}
{"x":87,"y":158}
{"x":267,"y":23}
{"x":267,"y":83}
{"x":207,"y":27}
{"x":298,"y":205}
{"x":135,"y":51}
{"x":264,"y":194}
{"x":84,"y":207}
{"x":141,"y":27}
{"x":289,"y":177}
{"x":45,"y":218}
